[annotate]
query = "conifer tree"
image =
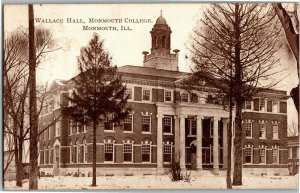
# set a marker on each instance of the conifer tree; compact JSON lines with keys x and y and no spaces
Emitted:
{"x":99,"y":93}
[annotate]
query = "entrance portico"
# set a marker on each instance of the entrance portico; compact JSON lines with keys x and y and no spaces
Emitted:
{"x":218,"y":118}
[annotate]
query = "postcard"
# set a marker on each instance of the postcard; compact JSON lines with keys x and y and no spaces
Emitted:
{"x":151,"y":96}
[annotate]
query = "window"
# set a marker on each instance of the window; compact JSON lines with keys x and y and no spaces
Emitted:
{"x":167,"y":153}
{"x":51,"y":155}
{"x":146,"y":123}
{"x":42,"y":156}
{"x":248,"y":105}
{"x":297,"y":152}
{"x":185,"y":97}
{"x":128,"y":123}
{"x":128,"y":93}
{"x":146,"y":94}
{"x":275,"y":156}
{"x":146,"y":153}
{"x":128,"y":153}
{"x":262,"y":155}
{"x":167,"y":124}
{"x":57,"y":129}
{"x":81,"y":153}
{"x":290,"y":153}
{"x":109,"y":152}
{"x":74,"y":153}
{"x":275,"y":131}
{"x":168,"y":96}
{"x":72,"y":127}
{"x":275,"y":106}
{"x":47,"y":156}
{"x":108,"y":126}
{"x":71,"y":151}
{"x":194,"y":98}
{"x":249,"y":128}
{"x":262,"y":104}
{"x":248,"y":155}
{"x":209,"y":99}
{"x":192,"y":126}
{"x":79,"y":127}
{"x":262,"y":130}
{"x":85,"y":151}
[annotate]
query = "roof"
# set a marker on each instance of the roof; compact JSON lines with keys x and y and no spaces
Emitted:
{"x":152,"y":72}
{"x":161,"y":20}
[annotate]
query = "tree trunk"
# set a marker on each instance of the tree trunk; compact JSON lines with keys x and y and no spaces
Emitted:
{"x":94,"y":183}
{"x":33,"y":118}
{"x":18,"y":171}
{"x":237,"y":173}
{"x":238,"y":141}
{"x":19,"y":164}
{"x":229,"y":146}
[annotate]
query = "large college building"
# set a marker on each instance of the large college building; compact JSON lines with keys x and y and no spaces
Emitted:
{"x":166,"y":122}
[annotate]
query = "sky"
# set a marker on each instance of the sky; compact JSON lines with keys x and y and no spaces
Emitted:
{"x":125,"y":47}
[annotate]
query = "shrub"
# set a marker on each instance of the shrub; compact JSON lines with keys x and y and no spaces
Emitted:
{"x":175,"y":172}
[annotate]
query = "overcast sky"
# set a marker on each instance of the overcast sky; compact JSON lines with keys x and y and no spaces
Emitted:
{"x":125,"y":47}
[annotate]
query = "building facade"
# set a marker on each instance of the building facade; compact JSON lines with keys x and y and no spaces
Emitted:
{"x":166,"y":122}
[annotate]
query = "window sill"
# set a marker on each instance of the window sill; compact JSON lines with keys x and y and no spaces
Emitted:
{"x":108,"y":162}
{"x":275,"y":139}
{"x":167,"y":133}
{"x":262,"y":138}
{"x":128,"y":162}
{"x":192,"y":136}
{"x":249,"y":138}
{"x":146,"y":133}
{"x":128,"y":132}
{"x":109,"y":131}
{"x":146,"y":162}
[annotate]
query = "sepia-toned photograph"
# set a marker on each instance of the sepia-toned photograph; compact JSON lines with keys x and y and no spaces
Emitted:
{"x":150,"y":96}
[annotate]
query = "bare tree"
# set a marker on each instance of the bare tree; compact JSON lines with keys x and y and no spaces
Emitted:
{"x":15,"y":79}
{"x":292,"y":36}
{"x":233,"y":50}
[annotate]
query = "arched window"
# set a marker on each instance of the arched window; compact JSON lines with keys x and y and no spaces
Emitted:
{"x":128,"y":150}
{"x":85,"y":154}
{"x":262,"y":154}
{"x":155,"y":41}
{"x":42,"y":156}
{"x":248,"y":152}
{"x":81,"y":152}
{"x":275,"y":154}
{"x":76,"y":151}
{"x":109,"y":150}
{"x":146,"y":151}
{"x":163,"y":41}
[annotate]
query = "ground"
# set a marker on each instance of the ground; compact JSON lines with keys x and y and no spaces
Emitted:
{"x":159,"y":182}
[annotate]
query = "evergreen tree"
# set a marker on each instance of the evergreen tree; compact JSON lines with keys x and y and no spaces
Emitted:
{"x":99,"y":92}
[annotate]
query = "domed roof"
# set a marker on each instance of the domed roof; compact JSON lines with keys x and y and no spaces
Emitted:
{"x":161,"y":19}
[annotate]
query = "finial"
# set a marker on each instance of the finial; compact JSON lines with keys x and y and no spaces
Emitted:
{"x":160,"y":12}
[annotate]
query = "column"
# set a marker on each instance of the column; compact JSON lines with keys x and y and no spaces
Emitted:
{"x":159,"y":142}
{"x":199,"y":143}
{"x":225,"y":144}
{"x":177,"y":139}
{"x":216,"y":144}
{"x":182,"y":142}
